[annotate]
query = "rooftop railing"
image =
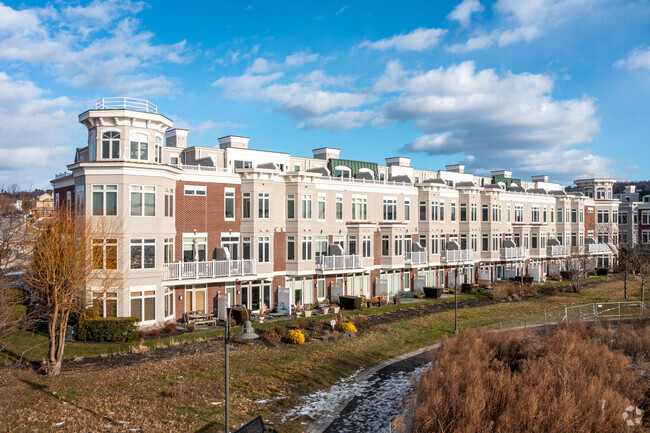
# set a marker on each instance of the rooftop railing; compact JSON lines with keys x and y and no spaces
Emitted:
{"x":63,"y":174}
{"x":124,"y":103}
{"x":205,"y":168}
{"x":366,"y":181}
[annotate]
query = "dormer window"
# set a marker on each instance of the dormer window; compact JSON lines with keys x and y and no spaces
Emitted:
{"x":342,"y":171}
{"x":111,"y":145}
{"x":139,"y":147}
{"x":600,"y":194}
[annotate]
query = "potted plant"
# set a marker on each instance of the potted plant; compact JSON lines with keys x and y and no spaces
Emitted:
{"x":261,"y":313}
{"x":335,"y":308}
{"x":298,"y":308}
{"x":307,"y":311}
{"x":325,"y":308}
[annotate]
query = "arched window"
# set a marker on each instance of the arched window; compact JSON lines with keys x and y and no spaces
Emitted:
{"x":342,"y":171}
{"x":110,"y":144}
{"x":139,"y":147}
{"x":367,"y":170}
{"x":158,"y":149}
{"x":589,"y":192}
{"x":600,"y":193}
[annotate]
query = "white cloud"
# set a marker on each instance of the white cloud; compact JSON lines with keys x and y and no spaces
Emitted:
{"x":502,"y":119}
{"x":419,"y":39}
{"x":35,"y":131}
{"x":201,"y":127}
{"x":262,"y":66}
{"x":464,"y":10}
{"x":531,"y":20}
{"x":638,"y":58}
{"x":115,"y":58}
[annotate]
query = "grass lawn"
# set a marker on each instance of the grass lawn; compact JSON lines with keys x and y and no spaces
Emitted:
{"x":185,"y":393}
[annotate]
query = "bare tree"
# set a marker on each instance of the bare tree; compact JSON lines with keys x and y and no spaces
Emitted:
{"x":642,"y":255}
{"x":62,"y":267}
{"x":628,"y":261}
{"x":577,"y":266}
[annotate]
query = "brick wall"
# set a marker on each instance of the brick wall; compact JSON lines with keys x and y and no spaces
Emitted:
{"x":280,"y":251}
{"x":590,"y":220}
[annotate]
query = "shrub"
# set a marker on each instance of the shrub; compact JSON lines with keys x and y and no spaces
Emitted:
{"x":302,"y":324}
{"x":239,"y":314}
{"x":273,"y":334}
{"x":296,"y":336}
{"x":466,"y":288}
{"x":348,"y":327}
{"x":565,"y":275}
{"x":601,"y":271}
{"x":432,"y":292}
{"x":108,"y":329}
{"x":504,"y":289}
{"x":350,"y":302}
{"x":417,"y":295}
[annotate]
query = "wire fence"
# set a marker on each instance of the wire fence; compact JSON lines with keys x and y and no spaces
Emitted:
{"x":575,"y":313}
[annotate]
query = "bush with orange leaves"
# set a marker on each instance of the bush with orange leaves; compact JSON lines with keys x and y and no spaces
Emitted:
{"x":514,"y":382}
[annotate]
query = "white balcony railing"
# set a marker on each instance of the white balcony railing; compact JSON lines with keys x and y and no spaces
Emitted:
{"x":513,"y":253}
{"x":124,"y":103}
{"x":364,"y":181}
{"x":211,"y":269}
{"x":203,"y":168}
{"x":416,"y":258}
{"x":457,"y":255}
{"x":598,"y":248}
{"x":558,"y":250}
{"x":333,"y":263}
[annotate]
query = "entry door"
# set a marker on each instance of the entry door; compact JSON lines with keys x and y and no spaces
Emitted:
{"x":195,"y":300}
{"x":255,"y":297}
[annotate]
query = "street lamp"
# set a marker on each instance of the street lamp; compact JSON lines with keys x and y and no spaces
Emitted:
{"x":248,"y":334}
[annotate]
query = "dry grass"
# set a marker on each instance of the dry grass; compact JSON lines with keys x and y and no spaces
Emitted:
{"x":504,"y":289}
{"x":568,"y":381}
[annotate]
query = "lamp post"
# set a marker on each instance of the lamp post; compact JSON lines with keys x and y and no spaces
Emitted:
{"x":248,"y":334}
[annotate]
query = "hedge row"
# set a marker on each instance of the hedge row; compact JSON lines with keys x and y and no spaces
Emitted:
{"x":108,"y":329}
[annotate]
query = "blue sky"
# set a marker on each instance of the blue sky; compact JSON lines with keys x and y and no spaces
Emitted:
{"x":557,"y":87}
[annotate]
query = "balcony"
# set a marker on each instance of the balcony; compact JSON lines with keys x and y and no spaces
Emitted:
{"x":124,"y":103}
{"x":416,"y":258}
{"x":457,"y":255}
{"x":513,"y":253}
{"x":558,"y":250}
{"x":211,"y":269}
{"x":598,"y":248}
{"x":339,"y":262}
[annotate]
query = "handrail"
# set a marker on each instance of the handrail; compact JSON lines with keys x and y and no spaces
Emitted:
{"x":365,"y":181}
{"x":203,"y":168}
{"x":208,"y":269}
{"x":332,"y":263}
{"x":126,"y":103}
{"x":457,"y":255}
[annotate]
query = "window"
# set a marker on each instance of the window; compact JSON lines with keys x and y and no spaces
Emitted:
{"x":173,"y":160}
{"x":168,"y":301}
{"x":168,"y":253}
{"x":246,"y":205}
{"x":110,"y":145}
{"x":495,"y":212}
{"x":195,"y":190}
{"x":291,"y":248}
{"x":574,"y":239}
{"x":320,"y":288}
{"x":534,"y":216}
{"x":407,"y":209}
{"x":463,"y":242}
{"x":474,"y":212}
{"x":495,"y":242}
{"x":229,"y":203}
{"x":105,"y":200}
{"x":367,"y":251}
{"x":390,"y":209}
{"x":339,"y":208}
{"x":582,"y":215}
{"x":603,"y":216}
{"x":143,"y":200}
{"x":139,"y":147}
{"x":434,"y":244}
{"x":246,"y":248}
{"x":105,"y":303}
{"x":291,"y":206}
{"x":306,"y":206}
{"x":397,"y":251}
{"x":423,"y":211}
{"x":600,"y":194}
{"x":359,"y":208}
{"x":544,"y":214}
{"x":453,"y":211}
{"x":559,"y":215}
{"x":485,"y":213}
{"x":306,"y":248}
{"x":143,"y":305}
{"x":195,"y":247}
{"x":157,"y":149}
{"x":243,"y":164}
{"x":533,"y":241}
{"x":434,"y":211}
{"x":614,"y":216}
{"x":321,"y":206}
{"x":485,"y":239}
{"x":474,"y":242}
{"x":442,"y":210}
{"x":622,"y":217}
{"x":342,"y":171}
{"x":296,"y":167}
{"x":645,"y":236}
{"x":263,"y":204}
{"x":574,"y":215}
{"x":143,"y":253}
{"x":104,"y":253}
{"x":263,"y":249}
{"x":169,"y":202}
{"x":645,"y":217}
{"x":352,"y":245}
{"x":519,"y":213}
{"x":463,"y":212}
{"x":423,"y":241}
{"x":230,"y":241}
{"x":321,"y":246}
{"x":508,"y":213}
{"x":385,"y":245}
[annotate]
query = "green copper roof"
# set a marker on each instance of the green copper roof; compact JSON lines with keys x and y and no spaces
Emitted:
{"x":354,"y":166}
{"x":506,"y":180}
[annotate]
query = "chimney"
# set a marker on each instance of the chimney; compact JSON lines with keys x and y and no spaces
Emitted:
{"x":630,"y":189}
{"x":326,"y":153}
{"x":456,"y":168}
{"x":233,"y":141}
{"x":176,"y":137}
{"x":539,"y":178}
{"x":503,"y":173}
{"x":402,"y":161}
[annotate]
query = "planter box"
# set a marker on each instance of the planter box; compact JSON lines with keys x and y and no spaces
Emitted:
{"x":350,"y":302}
{"x":326,"y":310}
{"x":336,"y":309}
{"x":307,"y":313}
{"x":432,"y":292}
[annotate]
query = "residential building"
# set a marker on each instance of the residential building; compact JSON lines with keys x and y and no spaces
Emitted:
{"x":199,"y":221}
